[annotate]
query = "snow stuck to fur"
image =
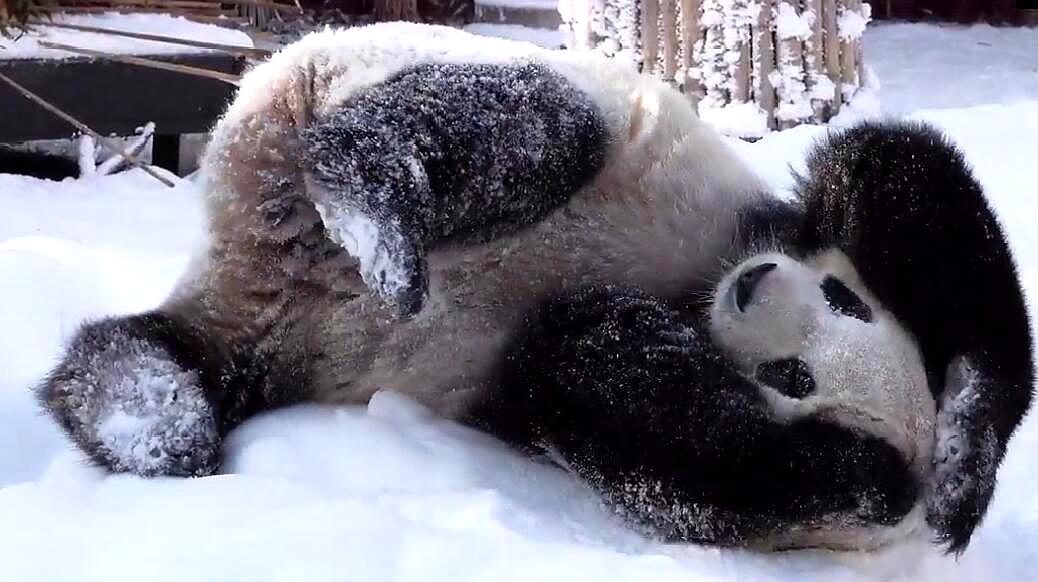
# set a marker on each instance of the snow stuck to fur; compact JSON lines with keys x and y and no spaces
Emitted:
{"x":28,"y":45}
{"x":150,"y":404}
{"x":388,"y":492}
{"x":364,"y":241}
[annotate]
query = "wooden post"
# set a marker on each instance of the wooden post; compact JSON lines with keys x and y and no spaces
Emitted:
{"x":743,"y":75}
{"x":764,"y":44}
{"x":650,"y":34}
{"x":690,"y":34}
{"x":790,"y":53}
{"x":396,"y":10}
{"x":832,"y":51}
{"x":817,"y":59}
{"x":848,"y":67}
{"x":670,"y":39}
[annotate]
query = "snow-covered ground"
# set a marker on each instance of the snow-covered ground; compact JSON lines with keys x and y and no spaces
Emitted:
{"x":388,"y":492}
{"x":27,"y":46}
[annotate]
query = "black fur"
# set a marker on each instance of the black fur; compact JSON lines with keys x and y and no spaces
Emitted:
{"x":456,"y":152}
{"x":901,"y":202}
{"x":633,"y":399}
{"x":36,"y":164}
{"x":110,"y":367}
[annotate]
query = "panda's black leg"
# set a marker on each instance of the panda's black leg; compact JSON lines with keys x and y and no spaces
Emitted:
{"x":447,"y":153}
{"x":631,"y":398}
{"x":142,"y":394}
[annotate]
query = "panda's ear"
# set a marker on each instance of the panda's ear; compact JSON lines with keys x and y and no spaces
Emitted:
{"x":899,"y":199}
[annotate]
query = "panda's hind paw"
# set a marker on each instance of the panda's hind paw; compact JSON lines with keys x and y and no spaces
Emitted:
{"x":128,"y":395}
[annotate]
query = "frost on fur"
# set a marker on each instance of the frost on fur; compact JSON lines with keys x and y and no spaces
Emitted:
{"x":130,"y":406}
{"x":965,"y":458}
{"x":447,"y":153}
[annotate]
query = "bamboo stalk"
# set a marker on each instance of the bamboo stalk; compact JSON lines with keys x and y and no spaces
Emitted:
{"x":107,"y":143}
{"x":237,"y":50}
{"x":146,"y":62}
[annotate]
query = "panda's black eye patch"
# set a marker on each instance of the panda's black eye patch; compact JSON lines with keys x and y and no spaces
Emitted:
{"x":790,"y":377}
{"x":844,"y":301}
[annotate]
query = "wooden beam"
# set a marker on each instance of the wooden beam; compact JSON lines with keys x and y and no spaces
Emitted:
{"x":146,"y":62}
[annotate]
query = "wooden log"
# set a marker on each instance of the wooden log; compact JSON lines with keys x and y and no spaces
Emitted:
{"x":691,"y":32}
{"x":764,"y":47}
{"x":670,"y":39}
{"x":832,"y":52}
{"x":650,"y":26}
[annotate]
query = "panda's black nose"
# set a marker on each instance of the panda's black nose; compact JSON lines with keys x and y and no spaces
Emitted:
{"x":747,"y":282}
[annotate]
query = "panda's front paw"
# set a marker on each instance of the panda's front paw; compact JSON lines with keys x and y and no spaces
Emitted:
{"x":127,"y":393}
{"x":391,"y":259}
{"x":397,"y":274}
{"x":964,"y":481}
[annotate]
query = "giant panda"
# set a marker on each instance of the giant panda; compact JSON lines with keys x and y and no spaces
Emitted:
{"x":549,"y":246}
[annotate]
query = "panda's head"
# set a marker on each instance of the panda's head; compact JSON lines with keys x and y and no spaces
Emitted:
{"x":818,"y":343}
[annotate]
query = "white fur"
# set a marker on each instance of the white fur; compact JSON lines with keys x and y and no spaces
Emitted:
{"x":868,"y":375}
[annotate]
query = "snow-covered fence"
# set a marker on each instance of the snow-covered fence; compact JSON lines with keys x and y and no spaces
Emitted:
{"x":789,"y":61}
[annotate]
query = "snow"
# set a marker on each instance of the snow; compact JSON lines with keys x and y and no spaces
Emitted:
{"x":388,"y":491}
{"x":28,"y":45}
{"x":543,"y":37}
{"x":737,"y":120}
{"x":850,"y":24}
{"x":522,"y":4}
{"x":789,"y":24}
